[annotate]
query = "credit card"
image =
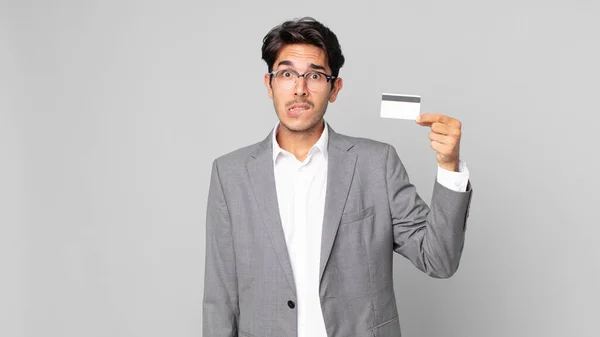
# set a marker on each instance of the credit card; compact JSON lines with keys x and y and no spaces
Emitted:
{"x":400,"y":106}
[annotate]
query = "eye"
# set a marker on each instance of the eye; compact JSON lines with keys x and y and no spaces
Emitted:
{"x":314,"y":76}
{"x":287,"y":74}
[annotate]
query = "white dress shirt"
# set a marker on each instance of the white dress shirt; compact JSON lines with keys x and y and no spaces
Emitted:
{"x":301,"y":188}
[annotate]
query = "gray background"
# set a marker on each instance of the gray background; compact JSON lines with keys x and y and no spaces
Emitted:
{"x":112,"y":112}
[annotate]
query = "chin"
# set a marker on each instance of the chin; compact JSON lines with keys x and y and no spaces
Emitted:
{"x":293,"y":125}
{"x":299,"y":125}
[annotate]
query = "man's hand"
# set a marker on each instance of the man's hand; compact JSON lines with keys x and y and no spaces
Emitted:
{"x":445,"y":138}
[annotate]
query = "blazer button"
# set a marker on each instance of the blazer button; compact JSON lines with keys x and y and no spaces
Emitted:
{"x":291,"y":304}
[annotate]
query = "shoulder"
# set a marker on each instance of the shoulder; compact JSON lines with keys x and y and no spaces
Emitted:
{"x":236,"y":158}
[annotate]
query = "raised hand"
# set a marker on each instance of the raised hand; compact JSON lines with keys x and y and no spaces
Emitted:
{"x":445,"y":138}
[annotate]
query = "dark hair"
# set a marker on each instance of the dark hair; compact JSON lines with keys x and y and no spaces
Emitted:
{"x":303,"y":31}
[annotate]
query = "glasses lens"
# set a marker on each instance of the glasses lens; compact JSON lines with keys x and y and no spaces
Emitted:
{"x":316,"y":82}
{"x":286,"y":78}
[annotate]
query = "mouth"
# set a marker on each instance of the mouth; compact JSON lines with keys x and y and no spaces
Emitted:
{"x":298,"y":107}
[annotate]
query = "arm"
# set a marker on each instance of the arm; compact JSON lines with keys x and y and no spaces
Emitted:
{"x":432,"y":239}
{"x":220,"y":304}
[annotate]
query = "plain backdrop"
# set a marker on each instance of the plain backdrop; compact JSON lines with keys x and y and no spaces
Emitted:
{"x":111,"y":113}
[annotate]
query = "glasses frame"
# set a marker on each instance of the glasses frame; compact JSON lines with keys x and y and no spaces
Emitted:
{"x":273,"y":74}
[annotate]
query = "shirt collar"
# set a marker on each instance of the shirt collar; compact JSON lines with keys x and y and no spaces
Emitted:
{"x":320,"y":145}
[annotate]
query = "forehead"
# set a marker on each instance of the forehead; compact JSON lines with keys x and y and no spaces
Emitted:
{"x":302,"y":55}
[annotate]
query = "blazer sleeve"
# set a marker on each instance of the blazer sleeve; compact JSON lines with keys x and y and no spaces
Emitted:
{"x":220,"y":304}
{"x":431,"y":238}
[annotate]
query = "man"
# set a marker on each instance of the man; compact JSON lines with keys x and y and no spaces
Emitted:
{"x":301,"y":227}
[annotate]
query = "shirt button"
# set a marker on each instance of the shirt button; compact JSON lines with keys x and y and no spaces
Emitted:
{"x":291,"y":304}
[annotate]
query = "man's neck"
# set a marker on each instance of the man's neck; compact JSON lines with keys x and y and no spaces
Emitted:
{"x":299,"y":143}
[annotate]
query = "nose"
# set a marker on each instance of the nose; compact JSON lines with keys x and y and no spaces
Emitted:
{"x":300,"y":89}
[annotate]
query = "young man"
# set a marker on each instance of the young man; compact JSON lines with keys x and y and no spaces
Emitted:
{"x":301,"y":227}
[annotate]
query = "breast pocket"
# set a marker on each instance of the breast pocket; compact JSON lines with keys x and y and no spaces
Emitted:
{"x":349,"y":256}
{"x":351,"y":217}
{"x":390,"y":328}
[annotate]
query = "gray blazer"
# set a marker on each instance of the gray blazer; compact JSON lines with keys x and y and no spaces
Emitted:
{"x":371,"y":210}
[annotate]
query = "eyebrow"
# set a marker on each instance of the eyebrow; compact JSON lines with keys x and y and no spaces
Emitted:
{"x":290,"y":63}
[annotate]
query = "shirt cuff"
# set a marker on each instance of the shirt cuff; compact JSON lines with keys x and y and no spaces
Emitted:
{"x":456,"y":181}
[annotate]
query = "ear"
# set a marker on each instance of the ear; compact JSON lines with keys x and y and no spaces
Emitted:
{"x":268,"y":85}
{"x":337,"y":86}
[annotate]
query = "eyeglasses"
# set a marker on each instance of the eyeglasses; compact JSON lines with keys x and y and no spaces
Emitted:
{"x":316,"y":81}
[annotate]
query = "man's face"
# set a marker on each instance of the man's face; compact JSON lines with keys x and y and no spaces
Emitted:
{"x":300,"y":109}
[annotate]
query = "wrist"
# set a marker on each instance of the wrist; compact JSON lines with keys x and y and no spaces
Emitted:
{"x":450,"y":166}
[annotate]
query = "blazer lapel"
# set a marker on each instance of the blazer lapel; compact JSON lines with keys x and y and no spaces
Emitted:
{"x":341,"y":165}
{"x":340,"y":170}
{"x":262,"y":177}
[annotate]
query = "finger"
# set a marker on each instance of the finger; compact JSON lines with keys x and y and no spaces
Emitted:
{"x":442,"y":149}
{"x":438,"y":147}
{"x":443,"y":139}
{"x":445,"y":129}
{"x":428,"y":119}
